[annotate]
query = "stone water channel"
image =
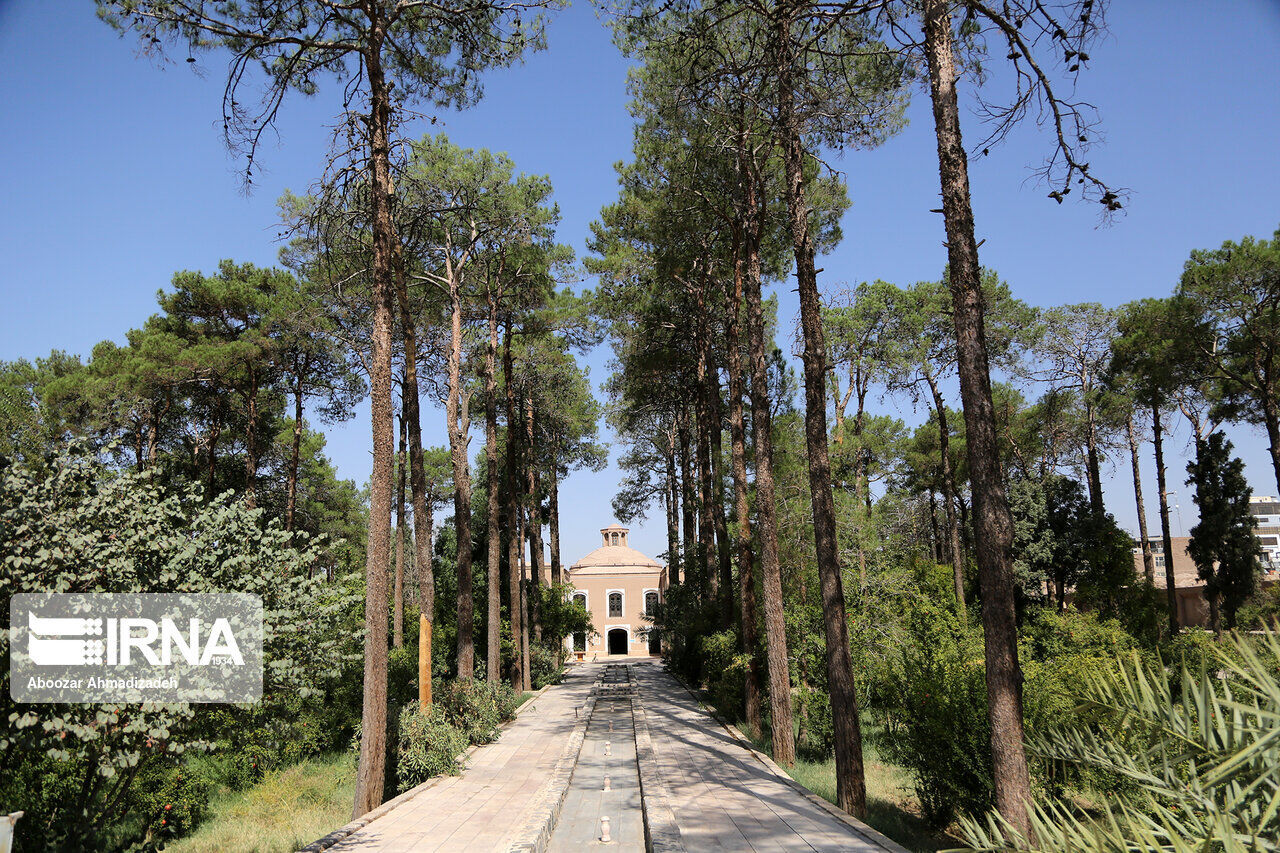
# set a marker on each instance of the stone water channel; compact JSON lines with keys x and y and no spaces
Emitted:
{"x":606,"y":779}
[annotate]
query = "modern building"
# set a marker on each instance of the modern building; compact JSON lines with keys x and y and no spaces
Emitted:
{"x":1193,"y":608}
{"x":621,"y":588}
{"x":1266,"y":513}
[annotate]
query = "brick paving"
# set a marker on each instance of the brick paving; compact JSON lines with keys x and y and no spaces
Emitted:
{"x":723,"y":796}
{"x":484,"y":807}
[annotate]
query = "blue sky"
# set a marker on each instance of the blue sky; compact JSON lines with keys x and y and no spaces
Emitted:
{"x":117,"y":177}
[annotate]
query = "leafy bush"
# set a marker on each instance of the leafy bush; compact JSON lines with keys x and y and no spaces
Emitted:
{"x":477,"y":708}
{"x":726,"y":672}
{"x":1048,"y":634}
{"x":73,"y":524}
{"x":428,"y":745}
{"x":817,"y":740}
{"x":1261,"y":610}
{"x":545,"y":665}
{"x":683,"y":618}
{"x":938,"y":730}
{"x":171,"y":800}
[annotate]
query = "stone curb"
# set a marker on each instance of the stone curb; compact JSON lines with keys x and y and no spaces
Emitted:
{"x":661,"y":832}
{"x":339,"y":834}
{"x":548,"y":800}
{"x":830,"y":808}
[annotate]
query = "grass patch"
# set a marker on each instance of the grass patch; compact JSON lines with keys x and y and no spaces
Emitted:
{"x":288,"y":809}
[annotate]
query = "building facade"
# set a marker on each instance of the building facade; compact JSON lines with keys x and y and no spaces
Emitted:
{"x":1266,"y":514}
{"x":1193,"y":607}
{"x":621,"y":588}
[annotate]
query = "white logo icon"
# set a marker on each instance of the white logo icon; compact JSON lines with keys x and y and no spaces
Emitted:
{"x":47,"y":646}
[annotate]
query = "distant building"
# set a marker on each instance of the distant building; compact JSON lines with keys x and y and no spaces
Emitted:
{"x":1266,"y":512}
{"x":621,"y":588}
{"x":1193,"y":608}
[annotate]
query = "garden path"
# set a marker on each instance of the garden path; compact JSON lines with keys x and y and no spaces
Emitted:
{"x":722,"y":794}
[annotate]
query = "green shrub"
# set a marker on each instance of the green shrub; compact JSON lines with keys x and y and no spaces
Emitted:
{"x":1261,"y":610}
{"x":507,"y":700}
{"x":817,"y":740}
{"x":171,"y":800}
{"x":684,"y":619}
{"x":428,"y":745}
{"x":938,"y":730}
{"x":1191,"y":646}
{"x":545,"y":666}
{"x":726,"y":672}
{"x":1047,"y":634}
{"x":1059,"y":651}
{"x":477,"y":708}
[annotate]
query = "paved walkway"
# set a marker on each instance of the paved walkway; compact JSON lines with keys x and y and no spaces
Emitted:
{"x":724,"y":797}
{"x":485,"y":806}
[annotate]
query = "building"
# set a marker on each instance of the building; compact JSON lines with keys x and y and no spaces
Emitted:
{"x":1266,"y":513}
{"x":1193,"y":608}
{"x":621,"y":588}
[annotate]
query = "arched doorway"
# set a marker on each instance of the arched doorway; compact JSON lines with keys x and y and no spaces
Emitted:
{"x":617,"y":641}
{"x":655,"y":642}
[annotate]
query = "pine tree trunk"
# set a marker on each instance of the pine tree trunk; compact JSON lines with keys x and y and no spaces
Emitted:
{"x":458,"y":441}
{"x":688,"y":547}
{"x":1148,"y":561}
{"x":526,"y":617}
{"x":993,"y":525}
{"x":534,"y":524}
{"x":706,"y":525}
{"x":1096,"y":505}
{"x":673,"y":511}
{"x":215,"y":432}
{"x":553,"y":514}
{"x":397,"y":598}
{"x":251,"y":444}
{"x":1271,"y":420}
{"x":519,"y":671}
{"x":1171,"y":584}
{"x":493,"y":534}
{"x":766,"y":529}
{"x":936,"y":541}
{"x":295,"y":453}
{"x":851,"y":795}
{"x":724,"y":559}
{"x":741,"y":502}
{"x":949,"y":498}
{"x":422,"y":520}
{"x":373,"y":732}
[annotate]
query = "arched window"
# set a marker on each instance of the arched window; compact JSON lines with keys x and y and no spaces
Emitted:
{"x":615,"y":604}
{"x":580,"y":599}
{"x":650,"y":603}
